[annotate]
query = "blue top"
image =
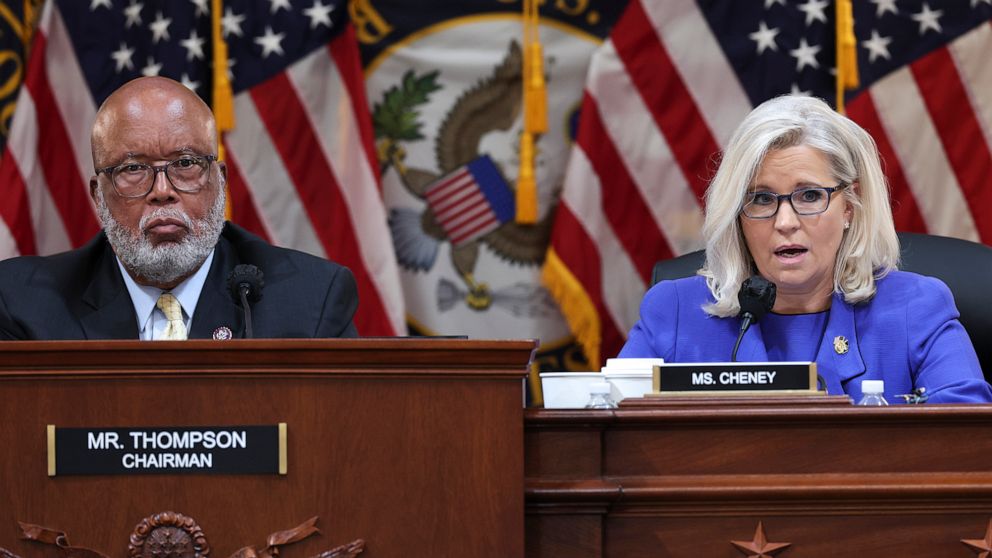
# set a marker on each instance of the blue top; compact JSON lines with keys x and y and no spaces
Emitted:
{"x":793,"y":337}
{"x":908,"y":335}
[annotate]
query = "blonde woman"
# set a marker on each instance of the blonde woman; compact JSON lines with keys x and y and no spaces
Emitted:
{"x":800,"y":199}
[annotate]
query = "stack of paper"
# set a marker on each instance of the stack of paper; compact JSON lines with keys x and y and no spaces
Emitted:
{"x":631,"y":377}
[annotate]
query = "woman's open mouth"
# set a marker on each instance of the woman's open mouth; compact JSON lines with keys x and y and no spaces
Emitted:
{"x":790,"y":253}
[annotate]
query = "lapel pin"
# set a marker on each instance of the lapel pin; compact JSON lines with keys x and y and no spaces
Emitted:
{"x":840,"y":345}
{"x":223,"y":333}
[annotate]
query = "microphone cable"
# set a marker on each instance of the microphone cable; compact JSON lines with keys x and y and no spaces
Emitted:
{"x":756,"y":297}
{"x":246,"y":282}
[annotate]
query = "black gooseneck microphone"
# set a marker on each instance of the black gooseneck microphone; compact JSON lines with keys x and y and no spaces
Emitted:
{"x":757,"y":296}
{"x":246,"y":283}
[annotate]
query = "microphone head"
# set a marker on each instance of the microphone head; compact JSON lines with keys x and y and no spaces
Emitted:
{"x":246,"y":276}
{"x":757,"y":297}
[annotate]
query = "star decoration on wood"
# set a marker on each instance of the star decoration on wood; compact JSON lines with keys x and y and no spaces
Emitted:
{"x":760,"y":547}
{"x":982,"y":547}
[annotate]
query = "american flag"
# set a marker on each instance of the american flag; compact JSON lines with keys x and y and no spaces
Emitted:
{"x":471,"y":201}
{"x":302,"y":170}
{"x":676,"y":77}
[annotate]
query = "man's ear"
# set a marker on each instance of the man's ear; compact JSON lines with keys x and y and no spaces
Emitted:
{"x":94,"y":184}
{"x":223,"y":173}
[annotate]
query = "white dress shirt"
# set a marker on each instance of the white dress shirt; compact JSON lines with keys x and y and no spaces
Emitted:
{"x":151,"y":320}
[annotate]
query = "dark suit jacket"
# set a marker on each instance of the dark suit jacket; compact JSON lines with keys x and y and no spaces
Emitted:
{"x":80,"y":294}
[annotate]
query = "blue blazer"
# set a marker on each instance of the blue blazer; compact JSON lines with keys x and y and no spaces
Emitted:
{"x":908,"y":335}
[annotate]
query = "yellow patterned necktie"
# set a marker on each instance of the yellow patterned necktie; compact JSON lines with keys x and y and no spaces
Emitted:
{"x":176,"y":328}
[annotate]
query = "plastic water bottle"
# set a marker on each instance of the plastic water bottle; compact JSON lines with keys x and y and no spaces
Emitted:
{"x":599,"y":396}
{"x":872,"y":393}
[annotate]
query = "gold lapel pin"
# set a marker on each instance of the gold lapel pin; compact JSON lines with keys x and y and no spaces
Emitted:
{"x":840,"y":345}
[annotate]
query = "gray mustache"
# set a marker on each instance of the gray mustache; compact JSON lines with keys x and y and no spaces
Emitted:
{"x":166,"y":213}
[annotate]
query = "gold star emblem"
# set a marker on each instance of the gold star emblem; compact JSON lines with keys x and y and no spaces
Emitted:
{"x":840,"y":345}
{"x":982,"y":547}
{"x":759,"y":547}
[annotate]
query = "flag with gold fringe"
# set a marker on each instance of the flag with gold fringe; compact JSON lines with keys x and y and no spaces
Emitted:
{"x":473,"y":107}
{"x":675,"y":79}
{"x":285,"y":81}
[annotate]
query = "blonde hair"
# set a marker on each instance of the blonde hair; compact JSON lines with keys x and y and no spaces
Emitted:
{"x":869,"y":249}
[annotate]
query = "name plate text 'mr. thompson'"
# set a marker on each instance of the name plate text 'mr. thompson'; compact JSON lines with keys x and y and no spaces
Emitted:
{"x":245,"y":450}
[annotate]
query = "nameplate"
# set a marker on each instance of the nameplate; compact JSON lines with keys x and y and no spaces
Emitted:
{"x":227,"y":450}
{"x":735,"y":378}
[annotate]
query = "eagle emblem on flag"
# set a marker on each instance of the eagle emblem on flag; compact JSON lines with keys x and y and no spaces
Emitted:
{"x":470,"y":203}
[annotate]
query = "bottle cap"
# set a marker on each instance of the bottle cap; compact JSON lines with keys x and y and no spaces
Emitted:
{"x":600,"y":388}
{"x":872,"y":386}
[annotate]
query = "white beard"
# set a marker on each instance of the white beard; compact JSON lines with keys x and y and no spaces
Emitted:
{"x":169,"y":260}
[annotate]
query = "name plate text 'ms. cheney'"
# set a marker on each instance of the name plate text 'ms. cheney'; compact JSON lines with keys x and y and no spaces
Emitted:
{"x":246,"y":450}
{"x":735,"y":377}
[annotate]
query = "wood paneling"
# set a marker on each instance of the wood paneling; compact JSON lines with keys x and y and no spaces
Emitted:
{"x":682,"y":478}
{"x":413,"y":446}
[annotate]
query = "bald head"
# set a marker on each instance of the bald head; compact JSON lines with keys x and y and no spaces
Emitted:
{"x":163,"y":109}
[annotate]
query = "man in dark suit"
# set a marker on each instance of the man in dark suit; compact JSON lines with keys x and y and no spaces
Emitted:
{"x":159,"y":269}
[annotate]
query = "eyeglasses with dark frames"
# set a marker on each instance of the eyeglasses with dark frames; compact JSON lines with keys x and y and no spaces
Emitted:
{"x":187,"y":174}
{"x":805,"y":201}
